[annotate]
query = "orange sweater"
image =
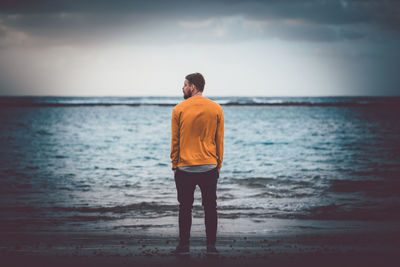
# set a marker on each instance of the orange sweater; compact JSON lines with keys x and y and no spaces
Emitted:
{"x":197,"y":133}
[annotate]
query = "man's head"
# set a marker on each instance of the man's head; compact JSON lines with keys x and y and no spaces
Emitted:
{"x":194,"y":84}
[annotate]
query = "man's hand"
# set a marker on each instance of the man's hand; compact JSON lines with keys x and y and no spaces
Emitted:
{"x":174,"y":171}
{"x":219,"y":170}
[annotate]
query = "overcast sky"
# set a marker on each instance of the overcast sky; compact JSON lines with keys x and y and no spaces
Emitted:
{"x":243,"y":48}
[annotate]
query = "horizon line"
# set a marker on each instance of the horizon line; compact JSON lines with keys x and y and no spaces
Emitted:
{"x":180,"y":96}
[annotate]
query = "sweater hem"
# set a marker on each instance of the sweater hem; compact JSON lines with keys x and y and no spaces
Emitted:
{"x":197,"y":162}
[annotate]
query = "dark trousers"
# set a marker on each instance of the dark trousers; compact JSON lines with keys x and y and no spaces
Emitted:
{"x":185,"y":185}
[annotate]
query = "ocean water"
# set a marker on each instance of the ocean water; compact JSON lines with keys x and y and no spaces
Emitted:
{"x":75,"y":162}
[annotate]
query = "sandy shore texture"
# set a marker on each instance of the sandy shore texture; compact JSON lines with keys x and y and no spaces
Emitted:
{"x":295,"y":243}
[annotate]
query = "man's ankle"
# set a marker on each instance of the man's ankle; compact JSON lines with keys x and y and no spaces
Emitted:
{"x":212,"y":250}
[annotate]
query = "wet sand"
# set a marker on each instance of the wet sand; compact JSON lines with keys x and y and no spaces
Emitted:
{"x":295,"y":243}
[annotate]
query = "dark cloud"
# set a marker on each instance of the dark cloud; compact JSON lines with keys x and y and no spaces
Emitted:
{"x":85,"y":21}
{"x":325,"y":12}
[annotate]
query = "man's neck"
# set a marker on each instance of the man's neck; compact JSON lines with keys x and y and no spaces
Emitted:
{"x":197,"y":94}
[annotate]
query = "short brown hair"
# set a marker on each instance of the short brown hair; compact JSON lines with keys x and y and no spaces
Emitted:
{"x":197,"y":79}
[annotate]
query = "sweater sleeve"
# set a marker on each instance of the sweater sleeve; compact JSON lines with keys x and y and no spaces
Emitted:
{"x":219,"y":139}
{"x":174,"y":139}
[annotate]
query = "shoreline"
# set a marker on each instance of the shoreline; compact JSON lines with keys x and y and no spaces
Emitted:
{"x":288,"y":243}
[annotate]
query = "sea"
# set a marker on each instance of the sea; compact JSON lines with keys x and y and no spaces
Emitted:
{"x":102,"y":162}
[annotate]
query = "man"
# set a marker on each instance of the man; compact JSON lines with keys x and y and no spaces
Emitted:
{"x":197,"y":148}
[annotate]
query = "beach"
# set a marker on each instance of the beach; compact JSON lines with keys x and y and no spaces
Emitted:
{"x":305,"y":181}
{"x":286,"y":243}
